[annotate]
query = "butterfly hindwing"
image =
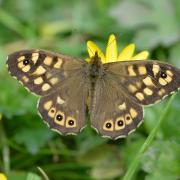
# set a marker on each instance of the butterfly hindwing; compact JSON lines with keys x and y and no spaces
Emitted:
{"x":42,"y":71}
{"x":145,"y":82}
{"x":65,"y":109}
{"x":113,"y":114}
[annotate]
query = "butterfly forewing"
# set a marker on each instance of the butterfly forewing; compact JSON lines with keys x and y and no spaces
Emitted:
{"x":145,"y":82}
{"x":42,"y":71}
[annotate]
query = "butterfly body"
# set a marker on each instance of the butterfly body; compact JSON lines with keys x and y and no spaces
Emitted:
{"x":115,"y":92}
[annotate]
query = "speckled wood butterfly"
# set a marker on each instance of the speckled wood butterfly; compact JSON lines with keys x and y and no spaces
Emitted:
{"x":114,"y":93}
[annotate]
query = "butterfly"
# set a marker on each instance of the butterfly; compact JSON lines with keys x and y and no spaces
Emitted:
{"x":114,"y":93}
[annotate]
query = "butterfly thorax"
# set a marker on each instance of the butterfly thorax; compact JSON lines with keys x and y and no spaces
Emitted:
{"x":96,"y":69}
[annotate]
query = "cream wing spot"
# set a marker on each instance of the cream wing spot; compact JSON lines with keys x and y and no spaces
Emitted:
{"x":161,"y":92}
{"x":48,"y":60}
{"x":47,"y":105}
{"x":54,"y":80}
{"x":148,"y":81}
{"x":25,"y":79}
{"x":39,"y":71}
{"x":131,"y":71}
{"x":169,"y":73}
{"x":140,"y":96}
{"x":132,"y":88}
{"x":46,"y":87}
{"x":48,"y":75}
{"x":20,"y":65}
{"x":133,"y":113}
{"x":60,"y":100}
{"x":26,"y":68}
{"x":142,"y":70}
{"x":168,"y":79}
{"x":58,"y":63}
{"x":138,"y":84}
{"x":35,"y":57}
{"x":148,"y":91}
{"x":38,"y":80}
{"x":122,"y":106}
{"x":155,"y":69}
{"x":21,"y":58}
{"x":162,"y":82}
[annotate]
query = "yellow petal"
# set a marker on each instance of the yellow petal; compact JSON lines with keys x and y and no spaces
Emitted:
{"x":111,"y":49}
{"x":92,"y":48}
{"x":127,"y":53}
{"x":141,"y":56}
{"x":2,"y":177}
{"x":88,"y":60}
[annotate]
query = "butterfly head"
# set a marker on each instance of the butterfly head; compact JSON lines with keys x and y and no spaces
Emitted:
{"x":96,"y":59}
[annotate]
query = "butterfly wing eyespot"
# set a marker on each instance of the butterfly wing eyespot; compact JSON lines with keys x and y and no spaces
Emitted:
{"x":71,"y":122}
{"x":119,"y":123}
{"x":108,"y":125}
{"x":26,"y":62}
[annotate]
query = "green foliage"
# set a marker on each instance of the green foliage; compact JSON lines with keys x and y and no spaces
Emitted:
{"x":26,"y":143}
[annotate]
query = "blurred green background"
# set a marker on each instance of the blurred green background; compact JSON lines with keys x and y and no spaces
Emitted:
{"x":65,"y":26}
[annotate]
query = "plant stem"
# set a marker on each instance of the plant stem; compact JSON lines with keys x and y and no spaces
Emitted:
{"x":5,"y":148}
{"x":43,"y":173}
{"x":134,"y":165}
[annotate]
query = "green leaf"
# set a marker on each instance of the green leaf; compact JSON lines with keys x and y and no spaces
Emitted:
{"x":33,"y":135}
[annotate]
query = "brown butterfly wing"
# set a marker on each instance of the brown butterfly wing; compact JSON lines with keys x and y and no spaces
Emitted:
{"x":61,"y":82}
{"x":65,"y":109}
{"x":41,"y":71}
{"x":145,"y":82}
{"x":113,"y":114}
{"x":124,"y":88}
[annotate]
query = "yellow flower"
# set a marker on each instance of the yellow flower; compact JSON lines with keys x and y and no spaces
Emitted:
{"x":2,"y":177}
{"x":112,"y":52}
